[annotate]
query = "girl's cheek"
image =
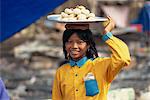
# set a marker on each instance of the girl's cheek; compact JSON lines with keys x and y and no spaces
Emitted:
{"x":67,"y":49}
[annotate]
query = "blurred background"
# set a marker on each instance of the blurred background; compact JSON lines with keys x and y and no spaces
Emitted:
{"x":29,"y":59}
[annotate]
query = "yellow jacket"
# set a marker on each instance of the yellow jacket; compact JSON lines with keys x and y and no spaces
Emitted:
{"x":69,"y":81}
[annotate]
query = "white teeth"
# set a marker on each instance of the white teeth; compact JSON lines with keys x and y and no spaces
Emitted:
{"x":74,"y":52}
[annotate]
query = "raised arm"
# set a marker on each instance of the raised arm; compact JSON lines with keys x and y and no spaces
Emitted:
{"x":120,"y":56}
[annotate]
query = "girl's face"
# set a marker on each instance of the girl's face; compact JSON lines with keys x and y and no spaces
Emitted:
{"x":76,"y":47}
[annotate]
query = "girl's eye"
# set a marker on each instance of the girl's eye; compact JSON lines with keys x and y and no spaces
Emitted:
{"x":69,"y":42}
{"x":80,"y":42}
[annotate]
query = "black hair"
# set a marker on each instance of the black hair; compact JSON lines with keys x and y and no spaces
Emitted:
{"x":85,"y":35}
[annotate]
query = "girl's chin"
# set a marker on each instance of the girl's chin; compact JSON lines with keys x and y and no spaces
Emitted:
{"x":75,"y":57}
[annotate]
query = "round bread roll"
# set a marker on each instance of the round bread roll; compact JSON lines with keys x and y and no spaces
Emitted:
{"x":85,"y":11}
{"x":91,"y":18}
{"x":64,"y":15}
{"x":68,"y":11}
{"x":77,"y":11}
{"x":81,"y":17}
{"x":81,"y":7}
{"x":71,"y":15}
{"x":91,"y":15}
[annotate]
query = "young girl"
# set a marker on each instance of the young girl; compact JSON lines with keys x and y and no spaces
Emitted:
{"x":87,"y":76}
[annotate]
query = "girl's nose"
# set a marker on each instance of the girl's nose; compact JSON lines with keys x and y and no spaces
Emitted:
{"x":75,"y":45}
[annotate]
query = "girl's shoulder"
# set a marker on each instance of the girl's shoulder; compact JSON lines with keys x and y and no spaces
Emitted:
{"x":63,"y":62}
{"x":64,"y":65}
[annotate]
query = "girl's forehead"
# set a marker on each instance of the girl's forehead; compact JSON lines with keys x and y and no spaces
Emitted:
{"x":74,"y":36}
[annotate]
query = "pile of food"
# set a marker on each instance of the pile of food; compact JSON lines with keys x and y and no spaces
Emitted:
{"x":77,"y":13}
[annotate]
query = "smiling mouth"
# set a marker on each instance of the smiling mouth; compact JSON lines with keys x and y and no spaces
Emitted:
{"x":74,"y":52}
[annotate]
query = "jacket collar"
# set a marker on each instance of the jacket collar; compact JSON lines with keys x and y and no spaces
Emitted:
{"x":78,"y":63}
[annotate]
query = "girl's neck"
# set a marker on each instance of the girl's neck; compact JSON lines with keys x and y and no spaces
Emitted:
{"x":77,"y":59}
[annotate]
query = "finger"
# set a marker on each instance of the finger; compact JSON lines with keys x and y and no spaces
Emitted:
{"x":109,"y":18}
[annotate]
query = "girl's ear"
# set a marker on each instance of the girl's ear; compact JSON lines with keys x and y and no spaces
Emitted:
{"x":65,"y":46}
{"x":88,"y":46}
{"x":65,"y":49}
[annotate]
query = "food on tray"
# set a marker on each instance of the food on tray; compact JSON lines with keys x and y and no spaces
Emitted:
{"x":77,"y":13}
